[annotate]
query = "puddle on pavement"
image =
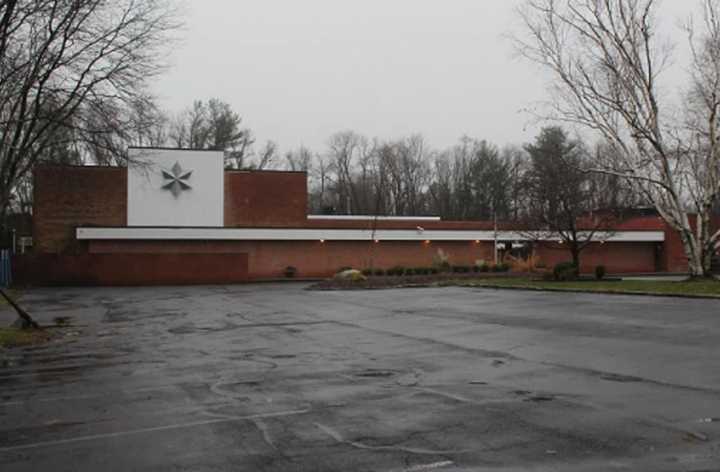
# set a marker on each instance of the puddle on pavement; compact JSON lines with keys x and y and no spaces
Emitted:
{"x":372,"y":373}
{"x":620,"y":378}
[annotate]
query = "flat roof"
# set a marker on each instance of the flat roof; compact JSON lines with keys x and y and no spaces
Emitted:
{"x":302,"y":234}
{"x":372,"y":218}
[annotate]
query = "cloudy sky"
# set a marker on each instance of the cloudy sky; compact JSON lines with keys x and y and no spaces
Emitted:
{"x":298,"y":71}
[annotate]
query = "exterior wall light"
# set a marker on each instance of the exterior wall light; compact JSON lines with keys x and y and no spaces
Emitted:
{"x":427,"y":241}
{"x":322,"y":241}
{"x":377,"y":241}
{"x":477,"y":241}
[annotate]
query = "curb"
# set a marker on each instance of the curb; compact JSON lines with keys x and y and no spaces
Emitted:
{"x":601,"y":292}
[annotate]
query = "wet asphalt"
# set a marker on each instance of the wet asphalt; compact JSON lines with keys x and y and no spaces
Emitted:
{"x":278,"y":378}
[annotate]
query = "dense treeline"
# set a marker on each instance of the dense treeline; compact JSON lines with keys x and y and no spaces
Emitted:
{"x":356,"y":174}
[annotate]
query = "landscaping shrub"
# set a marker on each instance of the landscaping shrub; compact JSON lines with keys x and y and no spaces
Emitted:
{"x":460,"y":269}
{"x":410,"y":271}
{"x":343,"y":269}
{"x":565,"y":271}
{"x":484,"y":267}
{"x":434,"y":270}
{"x":600,"y":272}
{"x":476,"y":268}
{"x":379,"y":272}
{"x":441,"y":261}
{"x":502,"y":267}
{"x":522,"y":264}
{"x":290,"y":271}
{"x":397,"y":271}
{"x":367,"y":272}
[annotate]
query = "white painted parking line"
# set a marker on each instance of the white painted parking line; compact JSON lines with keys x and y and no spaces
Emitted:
{"x":94,"y":437}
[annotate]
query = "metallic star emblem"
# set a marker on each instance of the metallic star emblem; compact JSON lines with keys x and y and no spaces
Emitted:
{"x":177,"y":178}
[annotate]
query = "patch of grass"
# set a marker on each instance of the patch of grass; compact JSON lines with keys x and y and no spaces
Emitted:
{"x":12,"y":293}
{"x":704,"y":288}
{"x":13,"y":337}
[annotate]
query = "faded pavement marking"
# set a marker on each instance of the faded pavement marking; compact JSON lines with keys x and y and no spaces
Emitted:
{"x":118,"y":434}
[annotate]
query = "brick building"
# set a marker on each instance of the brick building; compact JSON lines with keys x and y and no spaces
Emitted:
{"x":177,"y":216}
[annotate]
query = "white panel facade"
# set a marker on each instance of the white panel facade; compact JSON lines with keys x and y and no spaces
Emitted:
{"x":256,"y":234}
{"x":176,"y":188}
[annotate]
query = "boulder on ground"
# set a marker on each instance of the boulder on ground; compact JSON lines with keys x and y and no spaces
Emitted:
{"x":352,"y":275}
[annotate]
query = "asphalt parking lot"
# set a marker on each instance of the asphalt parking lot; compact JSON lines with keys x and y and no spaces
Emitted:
{"x":278,"y":378}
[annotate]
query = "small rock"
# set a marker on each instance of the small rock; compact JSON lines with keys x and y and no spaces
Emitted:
{"x":352,"y":274}
{"x":694,"y":435}
{"x":20,"y":323}
{"x":409,"y":380}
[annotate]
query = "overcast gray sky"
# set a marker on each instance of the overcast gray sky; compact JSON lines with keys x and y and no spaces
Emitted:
{"x":298,"y":71}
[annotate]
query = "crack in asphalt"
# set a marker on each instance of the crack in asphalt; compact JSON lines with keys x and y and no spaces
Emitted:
{"x":359,"y":445}
{"x":505,"y":355}
{"x":265,"y":431}
{"x":117,"y":434}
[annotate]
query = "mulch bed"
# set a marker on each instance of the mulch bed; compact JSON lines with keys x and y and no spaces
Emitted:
{"x":405,"y":281}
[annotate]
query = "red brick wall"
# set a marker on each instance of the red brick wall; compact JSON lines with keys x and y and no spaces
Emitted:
{"x":130,"y":269}
{"x":674,"y":258}
{"x":165,"y":262}
{"x":617,"y":257}
{"x":265,"y":198}
{"x":313,"y":258}
{"x":164,"y":247}
{"x":268,"y":259}
{"x":66,"y":197}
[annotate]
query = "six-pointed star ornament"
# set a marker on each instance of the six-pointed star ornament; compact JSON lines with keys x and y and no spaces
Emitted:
{"x":177,"y":179}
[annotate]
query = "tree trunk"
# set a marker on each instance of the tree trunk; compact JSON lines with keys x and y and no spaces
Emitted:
{"x":27,"y":319}
{"x":575,"y":251}
{"x":698,"y":254}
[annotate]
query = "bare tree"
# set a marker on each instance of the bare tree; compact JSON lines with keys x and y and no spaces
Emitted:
{"x":405,"y":164}
{"x":64,"y":64}
{"x":561,"y":196}
{"x":214,"y":125}
{"x":607,"y":59}
{"x":266,"y":156}
{"x":300,"y":160}
{"x":345,"y":149}
{"x":319,"y":178}
{"x":517,"y":162}
{"x":474,"y":180}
